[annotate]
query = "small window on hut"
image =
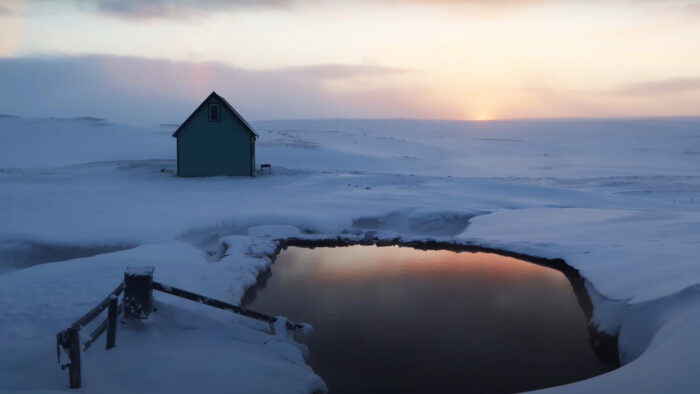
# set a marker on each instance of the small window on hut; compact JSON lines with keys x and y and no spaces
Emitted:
{"x":213,"y":112}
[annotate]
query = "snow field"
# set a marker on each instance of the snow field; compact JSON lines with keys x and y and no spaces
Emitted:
{"x":617,"y":199}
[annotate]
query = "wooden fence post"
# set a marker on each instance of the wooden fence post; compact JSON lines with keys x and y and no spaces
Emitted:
{"x":138,"y":292}
{"x":74,"y":355}
{"x":112,"y":322}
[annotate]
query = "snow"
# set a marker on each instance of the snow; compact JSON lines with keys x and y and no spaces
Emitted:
{"x":139,"y":271}
{"x":273,"y":231}
{"x":306,"y":329}
{"x":619,"y":199}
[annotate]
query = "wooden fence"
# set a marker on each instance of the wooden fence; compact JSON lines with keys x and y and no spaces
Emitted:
{"x":137,"y":303}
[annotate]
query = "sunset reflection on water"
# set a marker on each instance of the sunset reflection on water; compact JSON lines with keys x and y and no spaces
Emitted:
{"x":361,"y":262}
{"x":397,"y":319}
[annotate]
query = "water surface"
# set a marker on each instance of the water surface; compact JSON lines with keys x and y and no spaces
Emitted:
{"x":401,"y":320}
{"x":20,"y":254}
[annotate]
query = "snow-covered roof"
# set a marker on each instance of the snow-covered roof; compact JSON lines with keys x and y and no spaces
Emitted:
{"x":227,"y":105}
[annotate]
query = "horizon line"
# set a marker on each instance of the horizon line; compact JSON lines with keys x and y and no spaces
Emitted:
{"x":553,"y":118}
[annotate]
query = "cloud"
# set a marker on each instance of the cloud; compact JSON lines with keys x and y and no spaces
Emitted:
{"x":688,"y":11}
{"x":342,"y":71}
{"x":11,"y":26}
{"x":666,"y":86}
{"x":183,"y":9}
{"x":11,"y":7}
{"x":174,"y":9}
{"x":143,"y":91}
{"x":140,"y":10}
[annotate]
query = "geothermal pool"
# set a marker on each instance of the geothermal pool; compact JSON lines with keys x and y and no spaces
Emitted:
{"x":402,"y":320}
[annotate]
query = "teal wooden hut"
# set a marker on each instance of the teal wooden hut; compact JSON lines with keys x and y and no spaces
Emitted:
{"x":215,"y":140}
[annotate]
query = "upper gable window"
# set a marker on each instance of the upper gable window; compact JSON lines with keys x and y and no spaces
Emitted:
{"x":213,"y":112}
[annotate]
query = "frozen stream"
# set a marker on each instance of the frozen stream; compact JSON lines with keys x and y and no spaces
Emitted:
{"x":19,"y":254}
{"x":391,"y":319}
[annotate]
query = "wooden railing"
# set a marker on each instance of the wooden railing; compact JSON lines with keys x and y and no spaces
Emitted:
{"x":69,"y":339}
{"x":138,"y":286}
{"x":296,"y":327}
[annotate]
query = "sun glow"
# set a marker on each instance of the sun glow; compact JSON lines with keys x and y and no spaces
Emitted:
{"x":459,"y":60}
{"x":11,"y":25}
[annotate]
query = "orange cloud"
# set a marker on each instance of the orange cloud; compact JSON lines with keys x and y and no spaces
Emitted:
{"x":11,"y":25}
{"x":666,"y":86}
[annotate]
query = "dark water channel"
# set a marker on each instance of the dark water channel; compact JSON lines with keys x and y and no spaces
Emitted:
{"x":20,"y":254}
{"x":401,"y":320}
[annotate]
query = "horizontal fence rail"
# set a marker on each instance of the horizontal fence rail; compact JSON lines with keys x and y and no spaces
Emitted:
{"x":223,"y":305}
{"x":90,"y":316}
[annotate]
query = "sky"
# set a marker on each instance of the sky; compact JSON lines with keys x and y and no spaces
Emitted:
{"x":145,"y":62}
